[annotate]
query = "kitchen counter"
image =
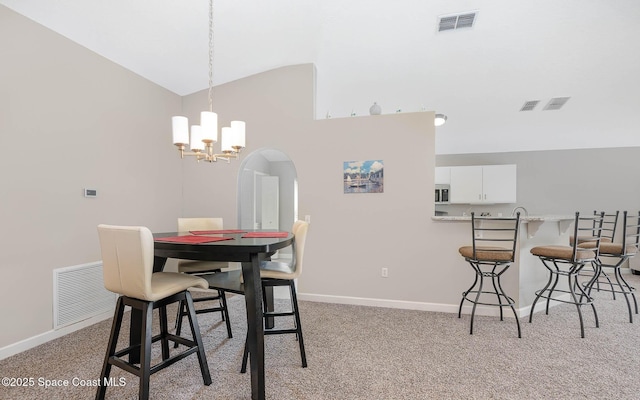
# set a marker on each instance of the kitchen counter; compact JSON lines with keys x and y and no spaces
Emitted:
{"x":533,"y":222}
{"x":527,"y":274}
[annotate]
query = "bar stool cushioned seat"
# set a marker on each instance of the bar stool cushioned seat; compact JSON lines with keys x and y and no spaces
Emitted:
{"x":127,"y":257}
{"x":487,"y":253}
{"x":562,"y":252}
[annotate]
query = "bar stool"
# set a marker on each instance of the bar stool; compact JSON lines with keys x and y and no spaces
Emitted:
{"x":613,"y":256}
{"x":127,"y":257}
{"x":492,"y":251}
{"x":569,"y":261}
{"x":609,"y":224}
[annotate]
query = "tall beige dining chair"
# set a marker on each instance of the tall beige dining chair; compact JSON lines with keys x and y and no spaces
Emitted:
{"x":195,"y":267}
{"x":273,"y":273}
{"x":127,"y":257}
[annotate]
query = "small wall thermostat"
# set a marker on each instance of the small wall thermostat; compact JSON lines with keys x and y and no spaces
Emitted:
{"x":90,"y":193}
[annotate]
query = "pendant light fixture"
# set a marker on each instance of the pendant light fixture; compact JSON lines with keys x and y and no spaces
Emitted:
{"x":203,"y":136}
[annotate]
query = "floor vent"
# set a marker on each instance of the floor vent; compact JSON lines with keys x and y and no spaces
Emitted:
{"x":457,"y":21}
{"x":79,"y":294}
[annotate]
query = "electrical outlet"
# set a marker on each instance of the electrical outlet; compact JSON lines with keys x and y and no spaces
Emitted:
{"x":385,"y":272}
{"x":307,"y":219}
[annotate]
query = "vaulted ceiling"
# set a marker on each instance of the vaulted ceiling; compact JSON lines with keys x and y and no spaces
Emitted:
{"x":391,"y":52}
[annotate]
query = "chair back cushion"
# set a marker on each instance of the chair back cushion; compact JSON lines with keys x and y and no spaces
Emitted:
{"x":299,"y":230}
{"x":199,"y":224}
{"x":127,"y":259}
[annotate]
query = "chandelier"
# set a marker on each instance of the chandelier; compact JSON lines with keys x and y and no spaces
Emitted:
{"x":203,"y":136}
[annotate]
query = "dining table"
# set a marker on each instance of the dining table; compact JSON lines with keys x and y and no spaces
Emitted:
{"x":249,"y":248}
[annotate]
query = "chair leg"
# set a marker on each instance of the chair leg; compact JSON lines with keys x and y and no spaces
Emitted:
{"x":164,"y":330}
{"x":145,"y":351}
{"x":223,"y":304}
{"x":464,"y":295}
{"x":515,"y":313}
{"x":245,"y":356}
{"x":292,"y":288}
{"x":626,"y":291}
{"x":178,"y":315}
{"x":225,"y":312}
{"x":111,"y":349}
{"x":495,"y":277}
{"x":475,"y":304}
{"x":541,"y":292}
{"x":195,"y":332}
{"x":181,"y":313}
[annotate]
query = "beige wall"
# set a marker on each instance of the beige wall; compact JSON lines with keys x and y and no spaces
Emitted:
{"x":91,"y":123}
{"x":352,"y":236}
{"x":71,"y":119}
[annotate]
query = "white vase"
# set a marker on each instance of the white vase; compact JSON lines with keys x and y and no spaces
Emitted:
{"x":375,"y":109}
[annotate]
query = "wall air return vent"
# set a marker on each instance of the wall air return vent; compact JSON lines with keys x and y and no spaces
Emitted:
{"x":456,"y":21}
{"x":530,"y":105}
{"x":556,"y":103}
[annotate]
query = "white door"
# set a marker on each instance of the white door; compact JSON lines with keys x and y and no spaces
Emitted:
{"x":270,"y":202}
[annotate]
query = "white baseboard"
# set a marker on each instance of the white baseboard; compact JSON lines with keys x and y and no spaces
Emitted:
{"x":420,"y":306}
{"x":37,"y":340}
{"x":363,"y":301}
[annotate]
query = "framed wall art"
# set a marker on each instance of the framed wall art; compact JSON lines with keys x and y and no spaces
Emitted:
{"x":363,"y":176}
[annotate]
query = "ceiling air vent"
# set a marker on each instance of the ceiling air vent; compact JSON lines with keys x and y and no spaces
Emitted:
{"x":457,"y":21}
{"x":530,"y":105}
{"x":556,"y":103}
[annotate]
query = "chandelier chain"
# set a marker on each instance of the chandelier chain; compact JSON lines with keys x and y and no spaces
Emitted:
{"x":210,"y":55}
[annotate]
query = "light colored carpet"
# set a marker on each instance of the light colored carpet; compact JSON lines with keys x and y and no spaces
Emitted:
{"x":374,"y":353}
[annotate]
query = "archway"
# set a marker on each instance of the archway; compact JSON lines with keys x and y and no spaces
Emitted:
{"x":267,"y":191}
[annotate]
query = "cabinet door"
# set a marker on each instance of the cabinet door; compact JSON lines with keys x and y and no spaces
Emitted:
{"x":466,"y":185}
{"x":443,"y":176}
{"x":499,"y":183}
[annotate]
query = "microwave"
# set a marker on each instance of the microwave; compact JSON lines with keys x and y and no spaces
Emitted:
{"x":442,"y":194}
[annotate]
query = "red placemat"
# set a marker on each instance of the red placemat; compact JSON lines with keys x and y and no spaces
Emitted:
{"x":217,"y":231}
{"x":265,"y":235}
{"x":192,"y":239}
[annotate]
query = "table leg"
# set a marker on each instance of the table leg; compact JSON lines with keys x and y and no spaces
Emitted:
{"x":255,"y":330}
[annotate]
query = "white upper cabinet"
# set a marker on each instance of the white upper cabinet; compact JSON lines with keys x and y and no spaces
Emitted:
{"x":488,"y":184}
{"x":443,"y":176}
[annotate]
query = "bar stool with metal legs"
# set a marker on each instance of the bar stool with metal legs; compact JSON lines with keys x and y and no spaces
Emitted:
{"x":569,"y":261}
{"x":492,"y":252}
{"x":609,"y":224}
{"x":614,"y":254}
